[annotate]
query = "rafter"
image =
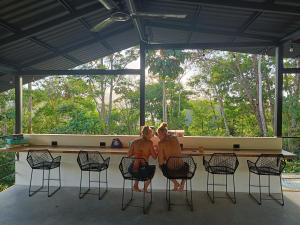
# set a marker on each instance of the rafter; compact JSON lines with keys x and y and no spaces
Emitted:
{"x":216,"y":45}
{"x":246,"y":5}
{"x":138,"y":24}
{"x":211,"y":31}
{"x":75,"y":47}
{"x":89,"y":10}
{"x":72,"y":11}
{"x":17,"y":31}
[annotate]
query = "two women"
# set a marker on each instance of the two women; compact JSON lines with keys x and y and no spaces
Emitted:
{"x":143,"y":147}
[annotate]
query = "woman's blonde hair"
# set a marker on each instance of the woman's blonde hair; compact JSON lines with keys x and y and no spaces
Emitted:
{"x":145,"y":130}
{"x":163,"y":127}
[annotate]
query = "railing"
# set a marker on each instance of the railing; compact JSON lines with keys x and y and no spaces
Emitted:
{"x":7,"y":167}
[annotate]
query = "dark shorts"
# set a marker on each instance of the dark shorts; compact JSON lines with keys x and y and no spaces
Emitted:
{"x":143,"y":173}
{"x":180,"y":173}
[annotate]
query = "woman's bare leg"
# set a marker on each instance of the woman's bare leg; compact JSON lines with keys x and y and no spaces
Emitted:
{"x":136,"y":186}
{"x":176,"y":185}
{"x":146,"y":185}
{"x":181,"y":188}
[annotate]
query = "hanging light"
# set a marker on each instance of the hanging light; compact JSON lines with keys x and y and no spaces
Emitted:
{"x":291,"y":47}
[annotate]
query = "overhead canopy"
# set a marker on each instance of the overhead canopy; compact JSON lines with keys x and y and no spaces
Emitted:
{"x":55,"y":34}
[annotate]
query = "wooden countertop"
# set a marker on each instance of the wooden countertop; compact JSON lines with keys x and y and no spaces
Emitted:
{"x":123,"y":151}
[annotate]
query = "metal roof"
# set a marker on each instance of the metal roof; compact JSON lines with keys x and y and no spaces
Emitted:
{"x":55,"y":34}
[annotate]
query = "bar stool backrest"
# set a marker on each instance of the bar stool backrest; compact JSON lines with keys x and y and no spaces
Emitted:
{"x":126,"y":162}
{"x":184,"y":165}
{"x":88,"y":157}
{"x":35,"y":157}
{"x":228,"y":160}
{"x":271,"y":161}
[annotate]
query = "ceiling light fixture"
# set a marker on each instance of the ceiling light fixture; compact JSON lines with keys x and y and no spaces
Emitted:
{"x":291,"y":47}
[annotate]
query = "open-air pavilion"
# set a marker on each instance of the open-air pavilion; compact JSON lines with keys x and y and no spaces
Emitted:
{"x":46,"y":38}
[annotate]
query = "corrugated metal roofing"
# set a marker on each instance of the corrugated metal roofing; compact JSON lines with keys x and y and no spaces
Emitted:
{"x":55,"y":34}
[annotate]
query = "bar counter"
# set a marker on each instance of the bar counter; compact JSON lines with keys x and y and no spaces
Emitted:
{"x":123,"y":151}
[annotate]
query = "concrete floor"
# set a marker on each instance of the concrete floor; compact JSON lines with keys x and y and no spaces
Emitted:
{"x":65,"y":208}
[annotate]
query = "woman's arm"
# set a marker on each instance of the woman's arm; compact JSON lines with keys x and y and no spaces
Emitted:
{"x":130,"y":152}
{"x":161,"y":158}
{"x":152,"y":152}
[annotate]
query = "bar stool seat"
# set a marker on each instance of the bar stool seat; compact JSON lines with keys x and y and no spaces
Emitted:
{"x":221,"y":164}
{"x":125,"y":167}
{"x":184,"y":168}
{"x":92,"y":161}
{"x":266,"y":165}
{"x":43,"y":160}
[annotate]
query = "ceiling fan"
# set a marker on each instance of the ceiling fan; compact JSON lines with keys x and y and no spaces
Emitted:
{"x":119,"y":15}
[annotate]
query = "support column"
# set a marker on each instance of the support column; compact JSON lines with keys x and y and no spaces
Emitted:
{"x":142,"y":82}
{"x":18,"y":104}
{"x":278,"y":92}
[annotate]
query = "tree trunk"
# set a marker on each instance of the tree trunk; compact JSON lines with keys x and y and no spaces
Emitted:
{"x":110,"y":103}
{"x":270,"y":98}
{"x":164,"y":102}
{"x":30,"y":108}
{"x":260,"y":99}
{"x":222,"y":112}
{"x":179,"y":104}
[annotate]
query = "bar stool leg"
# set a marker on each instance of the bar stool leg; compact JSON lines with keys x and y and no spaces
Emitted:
{"x":123,"y":194}
{"x":106,"y":179}
{"x":30,"y":183}
{"x":213,"y":188}
{"x":269,"y":188}
{"x":49,"y":183}
{"x":234,"y":189}
{"x":80,"y":184}
{"x":259,"y":190}
{"x":59,"y":176}
{"x":282,"y":199}
{"x":99,"y":185}
{"x":144,"y":193}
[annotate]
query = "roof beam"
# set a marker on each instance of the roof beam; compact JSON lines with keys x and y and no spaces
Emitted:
{"x":194,"y":24}
{"x":17,"y":31}
{"x":9,"y":64}
{"x":218,"y":45}
{"x":72,"y":11}
{"x":74,"y":47}
{"x":247,"y":5}
{"x":91,"y":9}
{"x":77,"y":72}
{"x":138,"y":24}
{"x":212,"y":31}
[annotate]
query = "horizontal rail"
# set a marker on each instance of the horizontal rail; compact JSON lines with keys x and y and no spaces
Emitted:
{"x":79,"y":72}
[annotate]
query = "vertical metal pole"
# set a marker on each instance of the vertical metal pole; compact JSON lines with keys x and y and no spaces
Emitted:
{"x":18,"y":104}
{"x":142,"y":83}
{"x":278,"y":92}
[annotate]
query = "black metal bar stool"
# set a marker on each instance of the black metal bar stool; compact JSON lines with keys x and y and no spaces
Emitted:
{"x":221,"y":164}
{"x":266,"y":165}
{"x":43,"y":160}
{"x":145,"y":173}
{"x":184,"y":168}
{"x":92,"y":161}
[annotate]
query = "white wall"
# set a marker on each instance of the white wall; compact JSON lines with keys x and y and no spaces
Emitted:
{"x":266,"y":143}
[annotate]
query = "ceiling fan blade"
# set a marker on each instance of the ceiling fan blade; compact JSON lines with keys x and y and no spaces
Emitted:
{"x":108,"y":4}
{"x":103,"y":24}
{"x":159,"y":15}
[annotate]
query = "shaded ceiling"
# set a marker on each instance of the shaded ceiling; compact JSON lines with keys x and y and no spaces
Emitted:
{"x":55,"y":34}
